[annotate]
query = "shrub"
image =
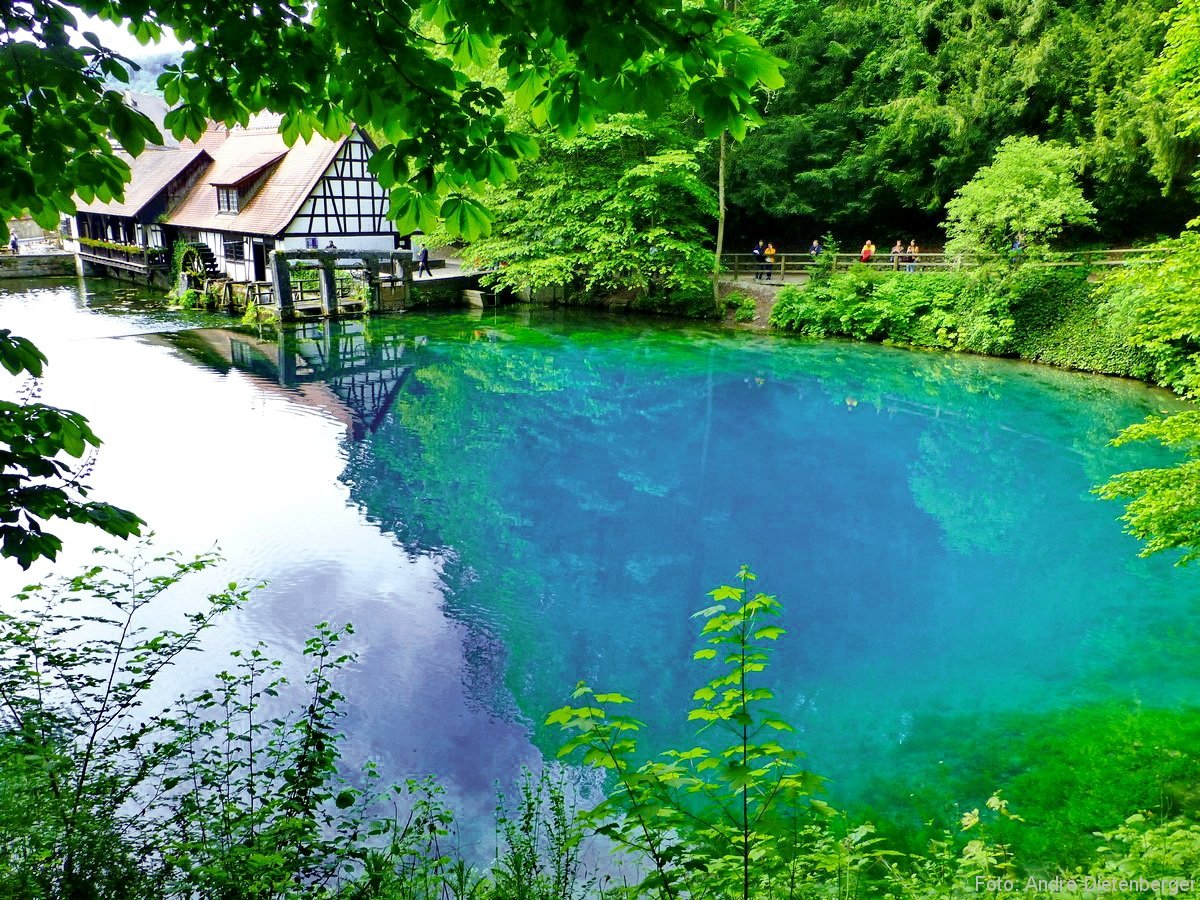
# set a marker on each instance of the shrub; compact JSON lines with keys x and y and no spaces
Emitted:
{"x":744,"y":308}
{"x":1045,"y":314}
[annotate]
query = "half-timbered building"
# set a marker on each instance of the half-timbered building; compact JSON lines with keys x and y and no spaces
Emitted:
{"x":240,"y":193}
{"x":259,"y":195}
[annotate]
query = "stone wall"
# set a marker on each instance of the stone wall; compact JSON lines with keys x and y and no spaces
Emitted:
{"x":36,"y":265}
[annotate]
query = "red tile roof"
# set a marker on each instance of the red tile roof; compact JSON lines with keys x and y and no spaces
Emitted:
{"x":153,"y":170}
{"x":277,"y":200}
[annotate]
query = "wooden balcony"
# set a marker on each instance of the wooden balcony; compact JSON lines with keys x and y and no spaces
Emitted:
{"x":143,"y":260}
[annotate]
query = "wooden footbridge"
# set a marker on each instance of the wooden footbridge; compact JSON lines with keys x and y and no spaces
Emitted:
{"x":332,"y":283}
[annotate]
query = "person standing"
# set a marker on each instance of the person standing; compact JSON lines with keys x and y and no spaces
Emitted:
{"x":14,"y":245}
{"x":815,"y":249}
{"x":423,"y":263}
{"x":769,"y":261}
{"x":910,"y":256}
{"x":758,"y":250}
{"x":1017,"y":248}
{"x":897,"y":252}
{"x":868,"y":251}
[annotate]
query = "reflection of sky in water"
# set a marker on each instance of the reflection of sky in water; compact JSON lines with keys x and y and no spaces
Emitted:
{"x":535,"y":506}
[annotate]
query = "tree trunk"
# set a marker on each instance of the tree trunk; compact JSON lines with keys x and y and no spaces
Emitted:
{"x":720,"y":225}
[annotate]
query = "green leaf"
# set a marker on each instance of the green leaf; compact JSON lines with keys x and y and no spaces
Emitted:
{"x":725,"y":592}
{"x":466,"y":217}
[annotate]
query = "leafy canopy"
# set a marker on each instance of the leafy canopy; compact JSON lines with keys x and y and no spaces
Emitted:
{"x":405,"y":70}
{"x":621,"y":209}
{"x":1030,"y":188}
{"x":1175,"y":75}
{"x":1156,"y":306}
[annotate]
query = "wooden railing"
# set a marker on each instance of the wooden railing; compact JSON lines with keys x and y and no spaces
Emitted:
{"x":793,"y":265}
{"x":143,"y":259}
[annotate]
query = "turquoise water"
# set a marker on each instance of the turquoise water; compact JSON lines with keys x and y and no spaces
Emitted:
{"x":510,"y":503}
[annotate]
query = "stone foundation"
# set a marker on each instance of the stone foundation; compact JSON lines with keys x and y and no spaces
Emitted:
{"x":37,"y":265}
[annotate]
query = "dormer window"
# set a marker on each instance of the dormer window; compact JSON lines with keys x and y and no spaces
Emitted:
{"x":227,"y":199}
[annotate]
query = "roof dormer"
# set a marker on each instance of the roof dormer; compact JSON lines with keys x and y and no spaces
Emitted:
{"x":237,"y":180}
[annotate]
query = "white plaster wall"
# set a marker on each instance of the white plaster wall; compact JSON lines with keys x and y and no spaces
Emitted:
{"x":216,"y":243}
{"x":341,"y":241}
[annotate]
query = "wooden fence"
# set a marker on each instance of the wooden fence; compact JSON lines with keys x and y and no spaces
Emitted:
{"x":797,"y":265}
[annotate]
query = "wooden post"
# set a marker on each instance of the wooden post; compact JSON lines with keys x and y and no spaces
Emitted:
{"x":281,"y":275}
{"x":285,"y":358}
{"x":329,"y":299}
{"x":371,"y":263}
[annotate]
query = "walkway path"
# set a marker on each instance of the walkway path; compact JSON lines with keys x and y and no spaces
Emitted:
{"x":794,"y":268}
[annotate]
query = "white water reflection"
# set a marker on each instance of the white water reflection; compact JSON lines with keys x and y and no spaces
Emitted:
{"x":230,"y":461}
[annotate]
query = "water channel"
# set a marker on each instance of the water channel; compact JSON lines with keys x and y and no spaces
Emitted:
{"x":506,"y":503}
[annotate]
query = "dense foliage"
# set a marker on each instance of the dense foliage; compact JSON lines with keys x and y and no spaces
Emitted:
{"x":1043,"y":314}
{"x":1157,"y":306}
{"x":890,"y":108}
{"x":404,"y":71}
{"x":621,"y":209}
{"x":1022,"y":200}
{"x":235,"y":791}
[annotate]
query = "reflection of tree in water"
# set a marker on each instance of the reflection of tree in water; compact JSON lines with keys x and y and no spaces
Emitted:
{"x":509,"y":456}
{"x":972,"y":487}
{"x":579,"y":483}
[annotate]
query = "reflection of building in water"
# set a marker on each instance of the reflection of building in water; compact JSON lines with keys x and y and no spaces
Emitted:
{"x":337,"y":366}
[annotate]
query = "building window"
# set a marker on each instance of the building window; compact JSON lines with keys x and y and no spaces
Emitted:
{"x":227,"y":200}
{"x":235,"y":250}
{"x":310,"y":243}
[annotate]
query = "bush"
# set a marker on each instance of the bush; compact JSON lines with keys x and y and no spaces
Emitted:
{"x":1059,"y":321}
{"x":744,"y":308}
{"x":843,"y":305}
{"x":1044,"y":314}
{"x":1155,"y":305}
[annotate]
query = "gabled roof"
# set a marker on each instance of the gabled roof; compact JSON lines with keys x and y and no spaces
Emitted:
{"x":153,"y":170}
{"x":235,"y":171}
{"x":240,"y":153}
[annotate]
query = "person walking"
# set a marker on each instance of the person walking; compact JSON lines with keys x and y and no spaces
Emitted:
{"x":868,"y":251}
{"x":910,"y":256}
{"x":769,"y":261}
{"x":423,"y":262}
{"x":14,"y":245}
